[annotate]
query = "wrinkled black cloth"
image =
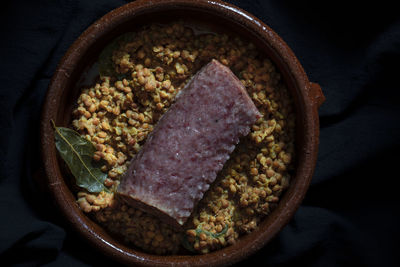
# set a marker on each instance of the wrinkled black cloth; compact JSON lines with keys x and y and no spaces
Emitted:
{"x":350,"y":213}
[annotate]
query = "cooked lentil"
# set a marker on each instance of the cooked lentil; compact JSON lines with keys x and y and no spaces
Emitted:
{"x":117,"y":116}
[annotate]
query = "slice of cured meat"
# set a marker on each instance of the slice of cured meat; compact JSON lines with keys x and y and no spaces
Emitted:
{"x":189,"y":145}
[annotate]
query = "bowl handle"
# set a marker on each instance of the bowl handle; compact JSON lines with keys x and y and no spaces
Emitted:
{"x":317,"y":97}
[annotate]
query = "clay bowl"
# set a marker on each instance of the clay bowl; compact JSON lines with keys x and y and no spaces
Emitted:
{"x":63,"y":91}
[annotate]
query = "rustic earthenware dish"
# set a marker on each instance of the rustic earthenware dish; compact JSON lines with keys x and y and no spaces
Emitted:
{"x":63,"y":92}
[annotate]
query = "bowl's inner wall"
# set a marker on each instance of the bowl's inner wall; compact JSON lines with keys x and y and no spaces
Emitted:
{"x":208,"y":19}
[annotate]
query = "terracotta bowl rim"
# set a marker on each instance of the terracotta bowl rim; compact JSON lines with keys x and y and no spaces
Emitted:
{"x":311,"y":98}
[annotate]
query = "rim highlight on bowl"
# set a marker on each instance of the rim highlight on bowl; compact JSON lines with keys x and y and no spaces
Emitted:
{"x":62,"y":92}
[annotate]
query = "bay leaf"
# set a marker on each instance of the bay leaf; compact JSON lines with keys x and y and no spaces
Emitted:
{"x":200,"y":230}
{"x":186,"y":244}
{"x":106,"y":64}
{"x":77,"y":152}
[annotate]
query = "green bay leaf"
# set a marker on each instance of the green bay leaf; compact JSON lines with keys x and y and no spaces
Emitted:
{"x":186,"y":244}
{"x":77,"y":152}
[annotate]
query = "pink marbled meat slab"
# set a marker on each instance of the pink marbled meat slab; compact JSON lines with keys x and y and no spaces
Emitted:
{"x":189,"y":145}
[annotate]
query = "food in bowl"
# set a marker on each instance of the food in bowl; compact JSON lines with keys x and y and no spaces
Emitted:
{"x":117,"y":113}
{"x":189,"y":145}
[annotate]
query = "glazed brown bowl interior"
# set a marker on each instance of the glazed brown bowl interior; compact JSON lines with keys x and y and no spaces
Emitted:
{"x":215,"y":16}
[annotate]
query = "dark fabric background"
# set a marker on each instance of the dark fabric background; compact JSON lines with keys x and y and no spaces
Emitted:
{"x":350,"y":214}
